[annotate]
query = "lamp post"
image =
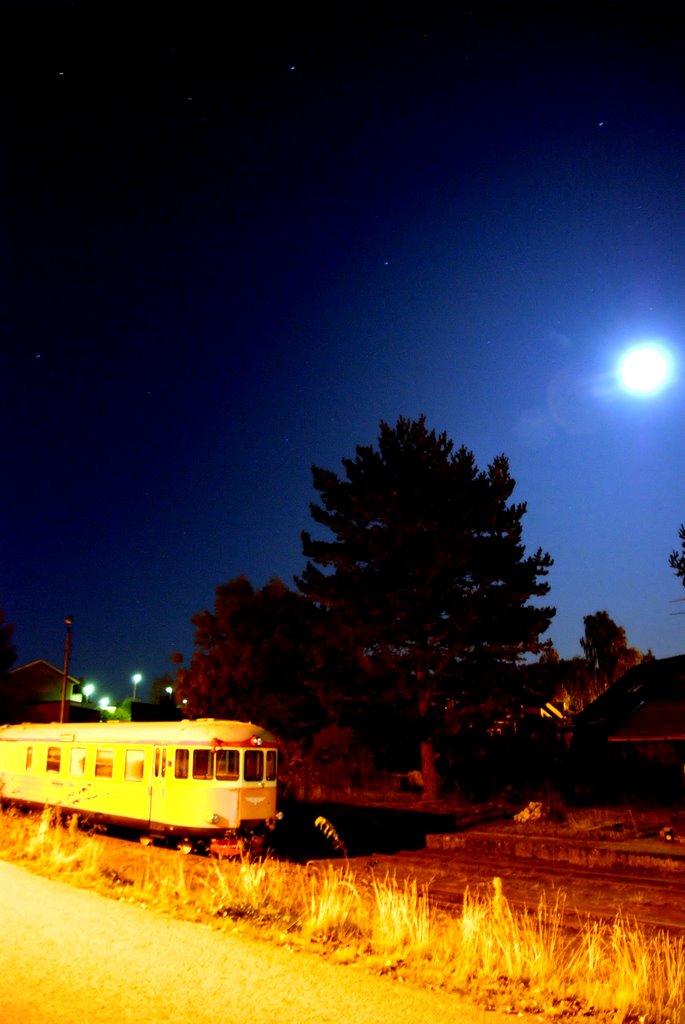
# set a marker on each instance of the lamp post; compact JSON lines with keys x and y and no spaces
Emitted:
{"x":65,"y":675}
{"x":136,"y":679}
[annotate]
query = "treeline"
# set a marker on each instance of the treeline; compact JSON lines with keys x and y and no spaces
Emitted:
{"x":412,"y":641}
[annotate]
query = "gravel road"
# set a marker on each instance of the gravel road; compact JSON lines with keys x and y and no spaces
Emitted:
{"x":69,"y":955}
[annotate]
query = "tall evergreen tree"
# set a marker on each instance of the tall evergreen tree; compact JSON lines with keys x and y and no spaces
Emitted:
{"x":426,"y":576}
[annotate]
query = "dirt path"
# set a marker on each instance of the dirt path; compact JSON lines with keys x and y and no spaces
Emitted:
{"x":68,"y":954}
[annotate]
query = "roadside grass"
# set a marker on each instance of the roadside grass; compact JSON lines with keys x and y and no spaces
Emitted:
{"x":49,"y":845}
{"x":512,"y":962}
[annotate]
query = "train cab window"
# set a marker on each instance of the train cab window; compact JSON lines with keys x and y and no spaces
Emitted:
{"x":77,"y":761}
{"x":104,"y":764}
{"x":29,"y":758}
{"x":271,"y":766}
{"x":134,"y":765}
{"x":227,"y":764}
{"x":254,"y":765}
{"x":54,"y":759}
{"x":181,"y":763}
{"x":203,"y":764}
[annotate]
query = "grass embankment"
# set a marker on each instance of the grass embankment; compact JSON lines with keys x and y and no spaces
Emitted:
{"x":485,"y":952}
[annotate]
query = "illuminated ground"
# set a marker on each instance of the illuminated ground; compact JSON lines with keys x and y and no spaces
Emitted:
{"x":68,"y":954}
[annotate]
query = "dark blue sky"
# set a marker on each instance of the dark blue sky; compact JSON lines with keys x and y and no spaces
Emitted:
{"x":232,"y":242}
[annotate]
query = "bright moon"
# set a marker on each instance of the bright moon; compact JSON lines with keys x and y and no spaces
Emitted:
{"x":645,"y":369}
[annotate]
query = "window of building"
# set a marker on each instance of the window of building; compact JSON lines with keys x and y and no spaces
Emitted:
{"x":203,"y":764}
{"x":271,"y":759}
{"x":134,"y":765}
{"x":254,"y":765}
{"x":29,"y":758}
{"x":104,"y":764}
{"x":54,"y":759}
{"x":227,"y":764}
{"x":77,"y":761}
{"x":181,"y":764}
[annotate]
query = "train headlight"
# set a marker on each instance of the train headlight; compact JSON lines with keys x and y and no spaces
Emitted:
{"x":214,"y":820}
{"x":256,"y":741}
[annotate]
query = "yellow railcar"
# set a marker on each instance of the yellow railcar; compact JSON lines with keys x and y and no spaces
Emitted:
{"x":208,"y":782}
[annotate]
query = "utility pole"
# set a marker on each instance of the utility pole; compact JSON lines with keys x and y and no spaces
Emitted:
{"x":65,"y":676}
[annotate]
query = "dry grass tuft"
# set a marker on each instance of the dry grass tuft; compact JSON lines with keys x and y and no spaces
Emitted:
{"x":49,"y":843}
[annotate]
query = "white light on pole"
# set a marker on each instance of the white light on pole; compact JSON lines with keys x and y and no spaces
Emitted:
{"x":136,"y":680}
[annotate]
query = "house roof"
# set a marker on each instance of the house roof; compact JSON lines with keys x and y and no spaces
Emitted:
{"x":652,"y":723}
{"x":647,"y":703}
{"x":39,"y":680}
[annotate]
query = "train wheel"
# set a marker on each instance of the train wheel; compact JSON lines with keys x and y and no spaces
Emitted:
{"x":146,"y":840}
{"x":184,"y":846}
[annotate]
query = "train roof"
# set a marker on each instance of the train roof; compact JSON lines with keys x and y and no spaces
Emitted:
{"x":197,"y":732}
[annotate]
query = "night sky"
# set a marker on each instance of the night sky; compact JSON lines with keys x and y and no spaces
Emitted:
{"x":233,"y":238}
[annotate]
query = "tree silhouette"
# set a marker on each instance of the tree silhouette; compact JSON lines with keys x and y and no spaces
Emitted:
{"x":160,"y":687}
{"x":252,"y":658}
{"x":426,"y":576}
{"x":607,"y":654}
{"x":676,"y":559}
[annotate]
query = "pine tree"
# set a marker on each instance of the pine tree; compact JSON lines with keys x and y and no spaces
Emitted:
{"x":426,"y":576}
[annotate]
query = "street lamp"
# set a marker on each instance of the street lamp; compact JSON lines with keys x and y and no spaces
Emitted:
{"x":136,"y":679}
{"x":65,"y":674}
{"x":88,"y":691}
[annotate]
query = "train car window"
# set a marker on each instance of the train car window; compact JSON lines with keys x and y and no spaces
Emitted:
{"x":134,"y":765}
{"x":254,"y":765}
{"x":227,"y":764}
{"x":29,"y":758}
{"x":181,"y":763}
{"x":203,"y":764}
{"x":77,"y":761}
{"x":270,"y":765}
{"x":54,"y":759}
{"x":104,"y":764}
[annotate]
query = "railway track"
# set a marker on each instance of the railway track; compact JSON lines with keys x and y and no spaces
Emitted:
{"x":655,"y":901}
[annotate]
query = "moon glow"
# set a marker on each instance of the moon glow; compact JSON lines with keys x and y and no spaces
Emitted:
{"x":645,"y":369}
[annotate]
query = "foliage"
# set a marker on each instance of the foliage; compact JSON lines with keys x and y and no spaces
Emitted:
{"x":676,"y":559}
{"x":426,"y":577}
{"x":253,"y":659}
{"x":122,"y":713}
{"x":607,"y":655}
{"x":159,"y":687}
{"x":8,"y":653}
